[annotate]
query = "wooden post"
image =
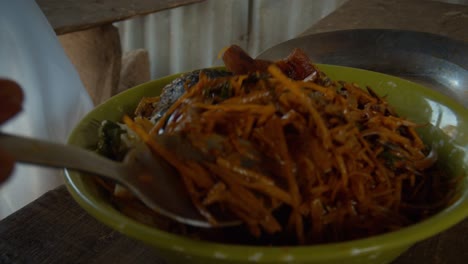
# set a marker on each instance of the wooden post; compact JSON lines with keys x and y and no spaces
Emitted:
{"x":96,"y":54}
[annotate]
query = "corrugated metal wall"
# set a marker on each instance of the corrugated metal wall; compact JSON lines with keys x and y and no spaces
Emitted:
{"x":190,"y":37}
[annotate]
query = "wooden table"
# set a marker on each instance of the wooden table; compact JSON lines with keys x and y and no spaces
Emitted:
{"x":54,"y":229}
{"x":68,"y":16}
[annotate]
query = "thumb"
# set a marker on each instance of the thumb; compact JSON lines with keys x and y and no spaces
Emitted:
{"x":11,"y":99}
{"x":7,"y":165}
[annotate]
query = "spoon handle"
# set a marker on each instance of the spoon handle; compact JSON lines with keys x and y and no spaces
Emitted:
{"x":34,"y":151}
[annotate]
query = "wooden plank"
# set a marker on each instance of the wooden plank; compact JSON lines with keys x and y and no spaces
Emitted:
{"x":96,"y":54}
{"x":434,"y":17}
{"x":67,"y":16}
{"x":447,"y":247}
{"x":54,"y":229}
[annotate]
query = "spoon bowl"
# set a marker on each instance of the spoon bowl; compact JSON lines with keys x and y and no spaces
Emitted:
{"x":147,"y":176}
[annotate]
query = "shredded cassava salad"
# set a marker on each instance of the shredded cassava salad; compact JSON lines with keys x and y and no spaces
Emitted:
{"x":299,"y":158}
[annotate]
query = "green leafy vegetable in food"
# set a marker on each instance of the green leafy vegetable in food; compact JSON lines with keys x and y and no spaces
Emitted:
{"x":109,"y":143}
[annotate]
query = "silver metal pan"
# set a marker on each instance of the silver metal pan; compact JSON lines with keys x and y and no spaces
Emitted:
{"x":434,"y":61}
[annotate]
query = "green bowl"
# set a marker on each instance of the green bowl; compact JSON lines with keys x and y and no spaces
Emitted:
{"x":446,"y":132}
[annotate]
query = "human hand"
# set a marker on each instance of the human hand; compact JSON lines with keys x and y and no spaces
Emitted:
{"x":11,"y":100}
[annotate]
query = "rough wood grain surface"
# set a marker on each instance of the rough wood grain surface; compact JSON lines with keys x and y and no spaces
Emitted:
{"x":69,"y":15}
{"x":54,"y":229}
{"x":97,"y":56}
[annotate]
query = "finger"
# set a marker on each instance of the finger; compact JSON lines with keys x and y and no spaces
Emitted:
{"x":11,"y":98}
{"x":7,"y":165}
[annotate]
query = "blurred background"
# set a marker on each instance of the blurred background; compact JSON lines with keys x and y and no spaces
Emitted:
{"x":191,"y":36}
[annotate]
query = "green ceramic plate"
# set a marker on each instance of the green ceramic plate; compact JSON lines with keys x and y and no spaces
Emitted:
{"x":448,"y":125}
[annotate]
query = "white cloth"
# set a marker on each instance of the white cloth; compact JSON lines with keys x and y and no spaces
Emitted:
{"x":55,"y":98}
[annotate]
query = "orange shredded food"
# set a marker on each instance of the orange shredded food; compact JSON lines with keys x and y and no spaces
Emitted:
{"x":317,"y":163}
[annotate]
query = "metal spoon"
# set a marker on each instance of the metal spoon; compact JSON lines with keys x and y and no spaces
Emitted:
{"x":148,"y":177}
